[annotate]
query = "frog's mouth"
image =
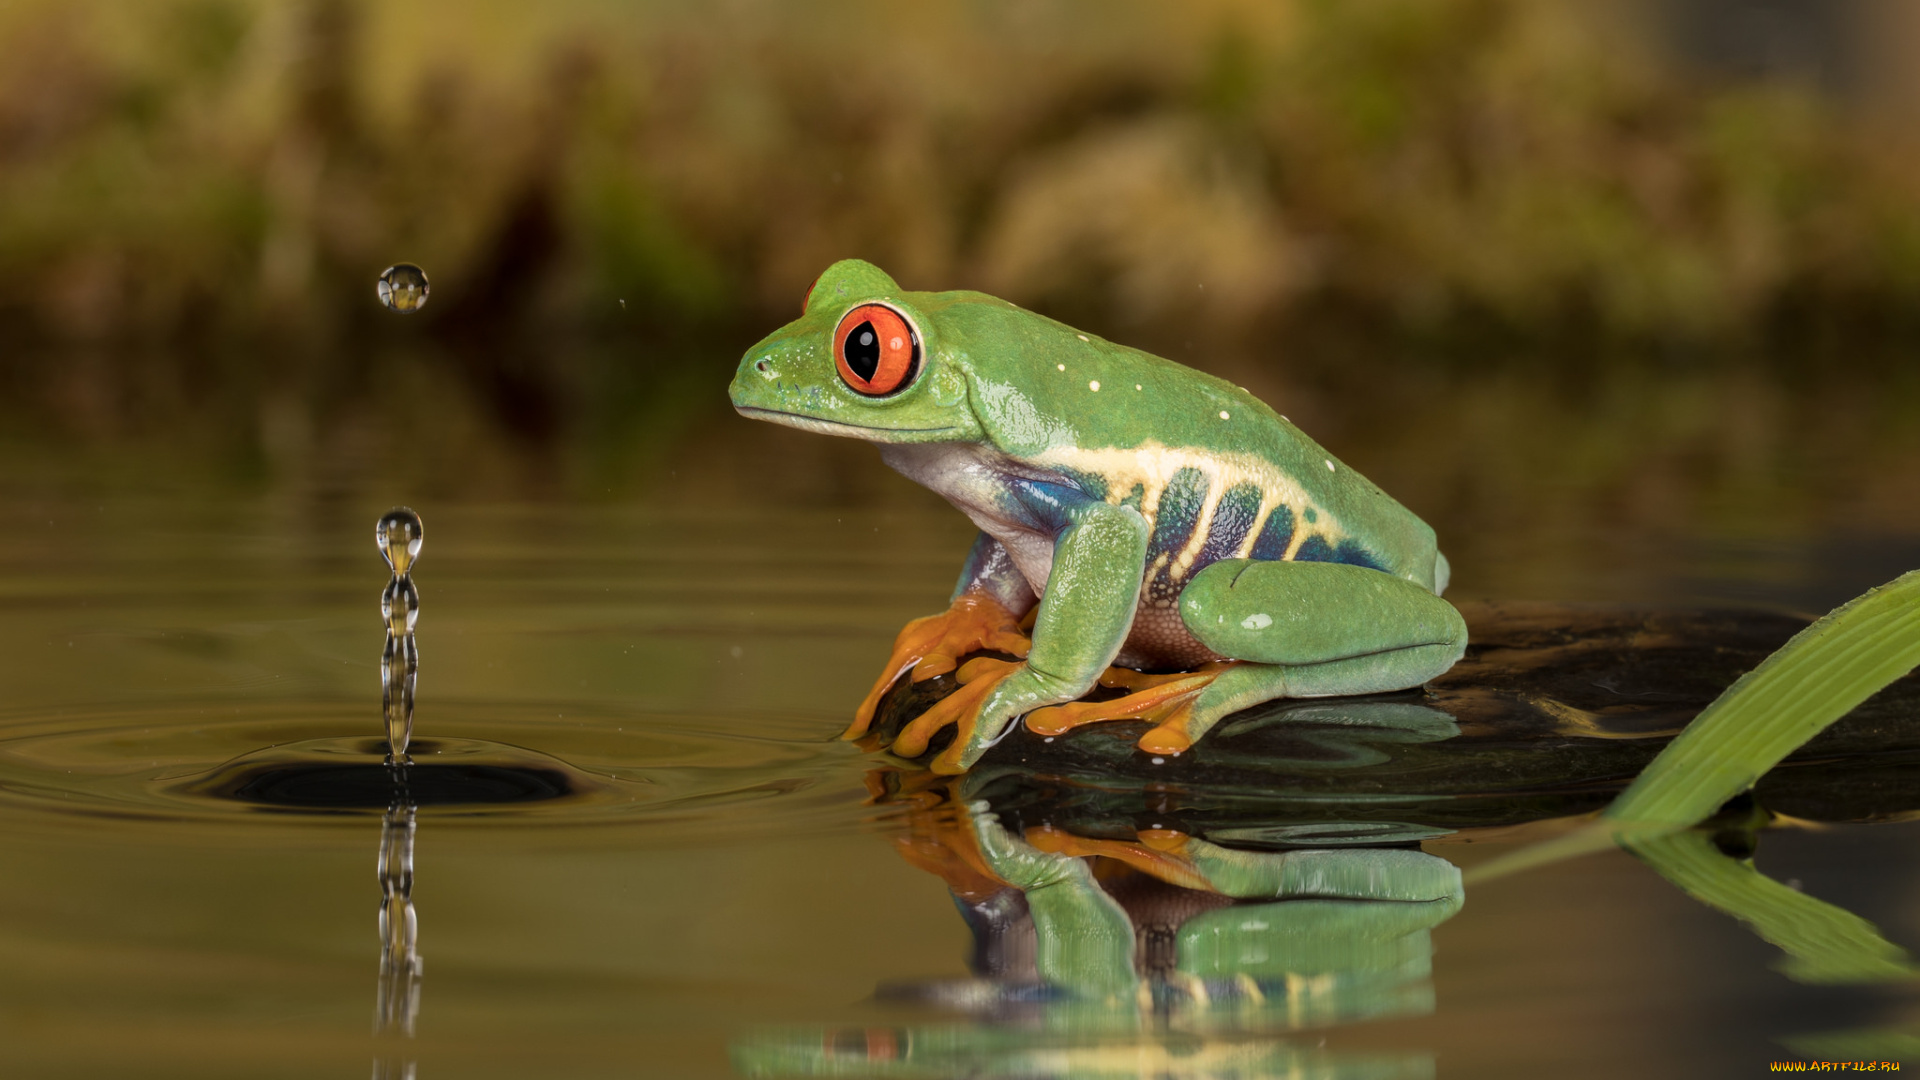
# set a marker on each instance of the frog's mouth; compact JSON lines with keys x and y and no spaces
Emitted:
{"x":847,"y":431}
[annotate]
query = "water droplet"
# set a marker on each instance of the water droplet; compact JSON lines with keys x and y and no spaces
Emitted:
{"x":398,"y":534}
{"x":403,"y":288}
{"x":399,"y":665}
{"x":400,"y":606}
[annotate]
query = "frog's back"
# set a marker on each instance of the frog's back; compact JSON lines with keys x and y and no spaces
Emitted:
{"x":1217,"y":473}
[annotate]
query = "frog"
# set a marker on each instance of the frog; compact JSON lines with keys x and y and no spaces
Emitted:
{"x":1143,"y":527}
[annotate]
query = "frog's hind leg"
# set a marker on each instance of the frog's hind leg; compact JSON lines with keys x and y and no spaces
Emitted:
{"x":1158,"y":698}
{"x":1181,"y":706}
{"x":1296,"y":629}
{"x":1244,"y":685}
{"x":1309,"y":629}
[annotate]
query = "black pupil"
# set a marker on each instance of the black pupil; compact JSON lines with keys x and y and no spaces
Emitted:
{"x":863,"y":351}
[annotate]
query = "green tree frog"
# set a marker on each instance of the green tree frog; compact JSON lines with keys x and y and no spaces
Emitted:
{"x":1180,"y":540}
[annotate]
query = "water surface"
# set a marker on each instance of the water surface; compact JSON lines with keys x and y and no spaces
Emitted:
{"x":706,"y":873}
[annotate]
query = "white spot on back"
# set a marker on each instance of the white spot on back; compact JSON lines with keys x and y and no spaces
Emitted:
{"x":1330,"y":466}
{"x":1094,"y":385}
{"x":1062,"y":367}
{"x":1259,"y":620}
{"x":1082,"y":337}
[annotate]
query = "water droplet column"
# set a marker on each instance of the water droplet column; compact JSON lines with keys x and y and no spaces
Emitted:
{"x":397,"y":1002}
{"x":398,"y":535}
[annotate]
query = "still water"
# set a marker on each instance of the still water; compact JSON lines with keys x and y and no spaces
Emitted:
{"x":630,"y":843}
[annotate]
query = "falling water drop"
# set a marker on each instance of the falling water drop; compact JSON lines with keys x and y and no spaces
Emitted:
{"x":403,"y":288}
{"x":399,"y":533}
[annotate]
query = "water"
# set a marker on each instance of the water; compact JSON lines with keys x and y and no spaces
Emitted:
{"x":403,"y":288}
{"x":628,"y":841}
{"x":398,"y":534}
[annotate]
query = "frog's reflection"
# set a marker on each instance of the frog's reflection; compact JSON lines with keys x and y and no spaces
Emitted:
{"x":1177,"y":923}
{"x":1144,"y":951}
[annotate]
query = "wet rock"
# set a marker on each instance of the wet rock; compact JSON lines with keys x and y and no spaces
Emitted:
{"x":1553,"y":711}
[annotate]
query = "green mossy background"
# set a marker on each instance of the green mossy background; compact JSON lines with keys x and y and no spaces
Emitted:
{"x":1490,"y":249}
{"x":201,"y":168}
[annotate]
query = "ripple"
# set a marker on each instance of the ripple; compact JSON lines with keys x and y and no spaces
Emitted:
{"x":354,"y":774}
{"x":534,"y":764}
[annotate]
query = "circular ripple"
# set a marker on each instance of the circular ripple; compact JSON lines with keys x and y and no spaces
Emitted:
{"x":354,"y":774}
{"x":173,"y":761}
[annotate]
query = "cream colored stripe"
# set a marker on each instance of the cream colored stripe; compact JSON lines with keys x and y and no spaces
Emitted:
{"x":1151,"y":466}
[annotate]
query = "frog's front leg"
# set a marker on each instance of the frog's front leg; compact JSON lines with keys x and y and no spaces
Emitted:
{"x":1083,"y":939}
{"x":988,"y":602}
{"x":1084,"y":619}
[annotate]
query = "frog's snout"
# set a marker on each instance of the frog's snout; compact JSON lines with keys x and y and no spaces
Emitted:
{"x":756,"y":378}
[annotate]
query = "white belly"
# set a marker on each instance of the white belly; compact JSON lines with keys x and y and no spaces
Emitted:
{"x":972,"y":479}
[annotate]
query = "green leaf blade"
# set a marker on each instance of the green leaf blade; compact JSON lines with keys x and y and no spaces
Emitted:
{"x":1825,"y":672}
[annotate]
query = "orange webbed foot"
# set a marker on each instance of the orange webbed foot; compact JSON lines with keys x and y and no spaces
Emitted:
{"x":1166,"y":700}
{"x":978,"y":679}
{"x":934,"y":645}
{"x":1160,"y":853}
{"x":943,"y":842}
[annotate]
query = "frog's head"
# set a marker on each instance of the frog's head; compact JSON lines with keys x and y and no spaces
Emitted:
{"x":865,"y":360}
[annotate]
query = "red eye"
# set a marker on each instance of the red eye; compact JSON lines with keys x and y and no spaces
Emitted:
{"x":876,"y":350}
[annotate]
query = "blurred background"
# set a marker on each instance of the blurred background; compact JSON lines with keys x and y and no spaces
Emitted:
{"x":1579,"y":283}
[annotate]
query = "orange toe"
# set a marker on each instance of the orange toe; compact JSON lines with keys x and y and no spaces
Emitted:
{"x":1171,"y":735}
{"x":1164,"y":857}
{"x":933,"y":645}
{"x":1159,"y":698}
{"x":960,"y":708}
